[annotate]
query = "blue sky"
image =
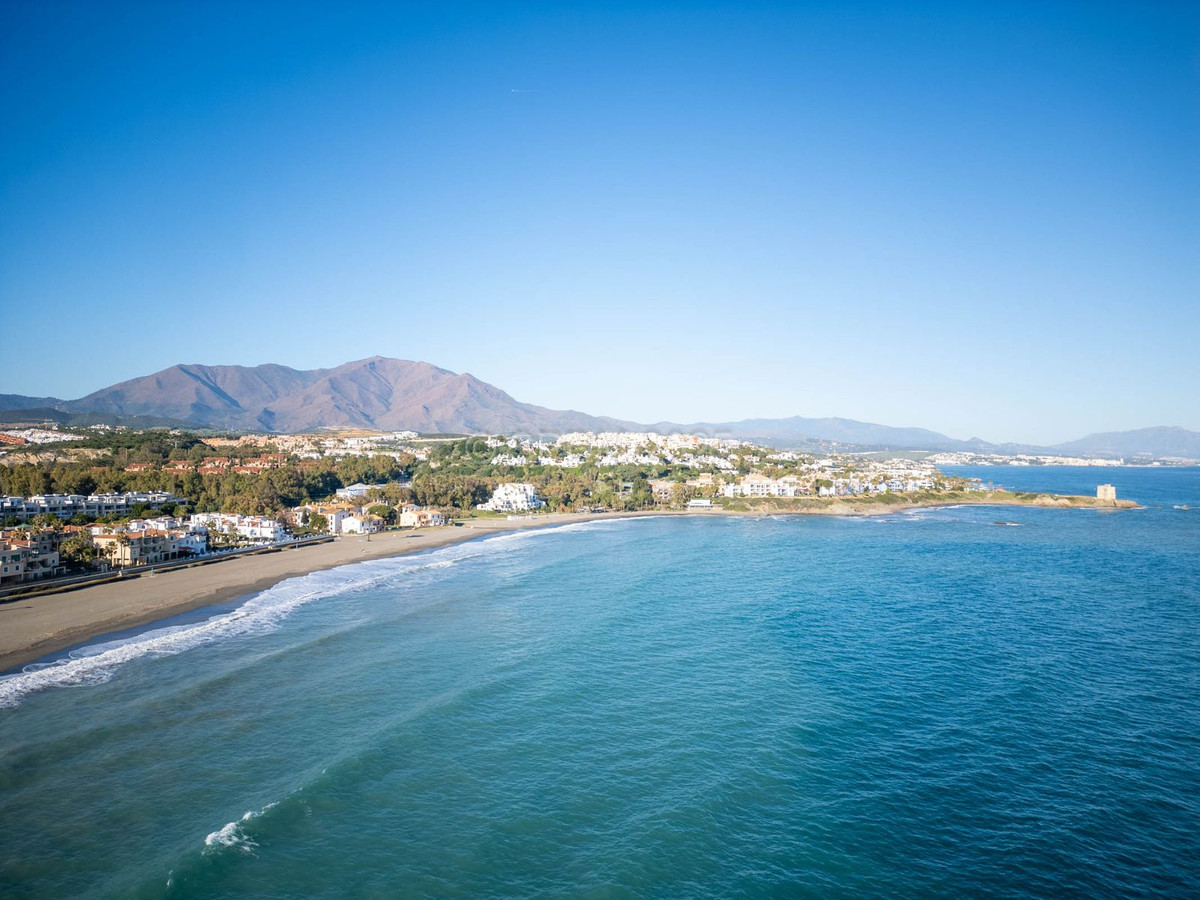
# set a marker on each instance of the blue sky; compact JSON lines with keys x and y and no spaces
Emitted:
{"x":978,"y":218}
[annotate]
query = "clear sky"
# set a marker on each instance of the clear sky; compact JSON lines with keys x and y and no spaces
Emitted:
{"x":978,"y":218}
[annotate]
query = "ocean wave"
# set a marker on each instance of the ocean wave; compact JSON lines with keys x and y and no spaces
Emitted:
{"x":262,"y":613}
{"x":587,"y":525}
{"x":231,"y":836}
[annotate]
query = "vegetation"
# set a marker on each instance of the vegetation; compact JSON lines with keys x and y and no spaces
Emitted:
{"x":457,"y":476}
{"x":99,"y":464}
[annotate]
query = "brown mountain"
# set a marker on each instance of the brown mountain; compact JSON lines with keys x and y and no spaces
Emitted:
{"x":398,"y":395}
{"x":377,"y":393}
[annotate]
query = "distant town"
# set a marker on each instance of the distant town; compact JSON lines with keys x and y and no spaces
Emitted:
{"x":94,"y":501}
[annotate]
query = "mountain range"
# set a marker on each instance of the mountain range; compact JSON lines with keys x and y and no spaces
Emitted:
{"x":399,"y":395}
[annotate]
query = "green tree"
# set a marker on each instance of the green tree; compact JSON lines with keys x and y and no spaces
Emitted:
{"x":78,"y":551}
{"x":680,"y":495}
{"x":383,"y":511}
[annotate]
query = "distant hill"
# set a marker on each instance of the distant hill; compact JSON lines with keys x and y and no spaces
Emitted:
{"x":43,"y":415}
{"x":20,"y":401}
{"x":400,"y":395}
{"x":1160,"y":441}
{"x":798,"y":431}
{"x":376,"y":393}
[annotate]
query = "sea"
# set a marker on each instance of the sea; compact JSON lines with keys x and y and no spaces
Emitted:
{"x":957,"y":702}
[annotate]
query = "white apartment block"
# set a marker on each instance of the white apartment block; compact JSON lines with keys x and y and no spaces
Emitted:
{"x":67,"y":506}
{"x":754,"y":485}
{"x":513,"y":497}
{"x":257,"y":529}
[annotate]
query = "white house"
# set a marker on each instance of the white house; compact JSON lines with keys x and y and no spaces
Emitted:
{"x":334,"y":515}
{"x":421,"y":518}
{"x":361,"y":524}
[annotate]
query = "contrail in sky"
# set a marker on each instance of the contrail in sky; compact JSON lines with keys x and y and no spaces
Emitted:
{"x":522,"y":91}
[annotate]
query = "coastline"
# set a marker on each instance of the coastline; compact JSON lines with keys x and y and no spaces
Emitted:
{"x":35,"y":626}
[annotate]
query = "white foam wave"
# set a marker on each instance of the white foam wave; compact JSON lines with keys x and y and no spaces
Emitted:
{"x":233,"y":835}
{"x":587,"y":525}
{"x":260,"y":614}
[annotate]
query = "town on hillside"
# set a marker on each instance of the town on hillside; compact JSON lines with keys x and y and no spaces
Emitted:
{"x":105,"y":499}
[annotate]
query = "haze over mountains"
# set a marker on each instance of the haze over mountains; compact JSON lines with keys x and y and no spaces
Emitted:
{"x":393,"y":395}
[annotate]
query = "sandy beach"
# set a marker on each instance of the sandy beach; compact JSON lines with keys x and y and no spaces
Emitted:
{"x":38,"y":625}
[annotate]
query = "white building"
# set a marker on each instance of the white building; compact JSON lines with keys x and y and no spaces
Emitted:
{"x":503,"y":459}
{"x":761,"y":486}
{"x":334,"y":516}
{"x":187,"y":537}
{"x":362,"y":524}
{"x":421,"y":518}
{"x":257,"y":529}
{"x":513,"y":497}
{"x":67,"y":506}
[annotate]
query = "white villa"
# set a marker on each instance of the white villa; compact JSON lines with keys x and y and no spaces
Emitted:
{"x":421,"y":518}
{"x":513,"y":497}
{"x":361,"y":524}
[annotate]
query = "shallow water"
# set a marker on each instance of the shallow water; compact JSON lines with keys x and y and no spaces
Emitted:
{"x":925,"y":704}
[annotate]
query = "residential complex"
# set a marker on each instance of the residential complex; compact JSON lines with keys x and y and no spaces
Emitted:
{"x":513,"y":497}
{"x":255,"y":529}
{"x":68,"y":506}
{"x":755,"y":485}
{"x":147,"y":547}
{"x":28,"y":557}
{"x":18,"y":437}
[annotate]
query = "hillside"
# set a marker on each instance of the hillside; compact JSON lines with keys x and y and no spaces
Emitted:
{"x":20,"y":401}
{"x":376,"y":393}
{"x":1161,"y":441}
{"x":799,"y":430}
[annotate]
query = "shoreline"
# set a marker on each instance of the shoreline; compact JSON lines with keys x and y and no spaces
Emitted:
{"x":35,"y":626}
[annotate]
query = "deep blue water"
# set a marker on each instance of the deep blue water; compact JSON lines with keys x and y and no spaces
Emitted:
{"x":1145,"y":484}
{"x":926,"y":704}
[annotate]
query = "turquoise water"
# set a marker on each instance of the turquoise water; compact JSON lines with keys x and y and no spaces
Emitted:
{"x":928,"y":704}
